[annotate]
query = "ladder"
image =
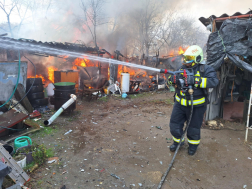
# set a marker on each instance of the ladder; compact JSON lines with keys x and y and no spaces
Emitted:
{"x":248,"y":116}
{"x":18,"y":175}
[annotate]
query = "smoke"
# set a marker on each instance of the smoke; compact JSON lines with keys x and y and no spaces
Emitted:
{"x":63,"y":22}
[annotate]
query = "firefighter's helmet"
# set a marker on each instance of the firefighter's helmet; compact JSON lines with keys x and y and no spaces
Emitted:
{"x":193,"y":54}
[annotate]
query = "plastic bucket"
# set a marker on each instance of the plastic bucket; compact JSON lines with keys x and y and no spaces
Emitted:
{"x":27,"y":151}
{"x":22,"y":162}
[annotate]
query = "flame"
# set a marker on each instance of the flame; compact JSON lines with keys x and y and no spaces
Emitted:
{"x":50,"y":71}
{"x":79,"y":62}
{"x":38,"y":76}
{"x":83,"y":62}
{"x":133,"y":72}
{"x":171,"y":53}
{"x":181,"y":50}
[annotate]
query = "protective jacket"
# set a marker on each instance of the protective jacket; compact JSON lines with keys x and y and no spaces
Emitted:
{"x":207,"y":78}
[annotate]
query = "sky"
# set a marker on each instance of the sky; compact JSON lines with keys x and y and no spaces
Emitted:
{"x":193,"y":8}
{"x":205,"y":8}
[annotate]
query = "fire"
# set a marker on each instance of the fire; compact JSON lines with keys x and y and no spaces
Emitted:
{"x":79,"y":62}
{"x":83,"y":62}
{"x":181,"y":50}
{"x":38,"y":76}
{"x":133,"y":72}
{"x":50,"y":71}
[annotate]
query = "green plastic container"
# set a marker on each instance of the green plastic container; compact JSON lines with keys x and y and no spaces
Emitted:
{"x":22,"y":141}
{"x":64,"y":85}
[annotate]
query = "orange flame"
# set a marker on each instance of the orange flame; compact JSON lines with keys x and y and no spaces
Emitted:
{"x":132,"y":72}
{"x":181,"y":50}
{"x":50,"y":71}
{"x":38,"y":76}
{"x":79,"y":62}
{"x":83,"y":62}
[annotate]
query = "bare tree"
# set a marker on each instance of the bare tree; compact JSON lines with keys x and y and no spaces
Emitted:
{"x":22,"y":11}
{"x":180,"y":31}
{"x":93,"y":16}
{"x":146,"y":20}
{"x":8,"y":9}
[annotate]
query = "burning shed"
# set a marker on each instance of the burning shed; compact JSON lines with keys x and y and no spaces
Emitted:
{"x":229,"y":51}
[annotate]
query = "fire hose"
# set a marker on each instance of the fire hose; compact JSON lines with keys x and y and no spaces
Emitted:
{"x":190,"y":91}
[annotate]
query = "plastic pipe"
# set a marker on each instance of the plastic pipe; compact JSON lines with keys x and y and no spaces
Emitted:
{"x":62,"y":108}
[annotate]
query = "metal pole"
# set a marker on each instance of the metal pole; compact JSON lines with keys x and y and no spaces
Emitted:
{"x":248,"y":116}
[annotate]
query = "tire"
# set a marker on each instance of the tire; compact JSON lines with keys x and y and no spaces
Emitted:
{"x":38,"y":81}
{"x":35,"y":89}
{"x":33,"y":96}
{"x":39,"y":102}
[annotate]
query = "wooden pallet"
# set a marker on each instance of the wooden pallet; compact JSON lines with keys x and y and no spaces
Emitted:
{"x":18,"y":175}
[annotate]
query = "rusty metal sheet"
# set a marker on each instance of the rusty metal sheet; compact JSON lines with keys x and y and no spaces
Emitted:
{"x":233,"y":111}
{"x":11,"y":118}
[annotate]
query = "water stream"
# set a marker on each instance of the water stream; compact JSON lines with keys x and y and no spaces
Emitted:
{"x":7,"y":43}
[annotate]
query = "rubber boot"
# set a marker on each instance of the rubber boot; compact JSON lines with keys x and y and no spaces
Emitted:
{"x":173,"y":147}
{"x":192,"y":149}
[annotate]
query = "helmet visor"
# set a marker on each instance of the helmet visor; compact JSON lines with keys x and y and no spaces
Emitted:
{"x":189,"y":59}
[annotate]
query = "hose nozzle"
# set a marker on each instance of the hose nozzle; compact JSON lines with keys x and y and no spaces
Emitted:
{"x":163,"y":71}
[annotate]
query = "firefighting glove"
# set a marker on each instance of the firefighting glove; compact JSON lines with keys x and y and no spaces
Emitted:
{"x":172,"y":79}
{"x":197,"y":81}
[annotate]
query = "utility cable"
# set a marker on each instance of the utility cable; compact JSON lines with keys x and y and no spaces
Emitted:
{"x":182,"y":137}
{"x":30,"y":86}
{"x":12,"y":128}
{"x":16,"y":83}
{"x":22,"y":97}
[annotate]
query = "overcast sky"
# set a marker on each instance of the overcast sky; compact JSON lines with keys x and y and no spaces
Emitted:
{"x":199,"y":8}
{"x":205,"y":8}
{"x":192,"y":8}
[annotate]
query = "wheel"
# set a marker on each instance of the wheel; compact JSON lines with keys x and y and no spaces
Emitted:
{"x":33,"y":96}
{"x":35,"y":89}
{"x":29,"y":81}
{"x":39,"y":102}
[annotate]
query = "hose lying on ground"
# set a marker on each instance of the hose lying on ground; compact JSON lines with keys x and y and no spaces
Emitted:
{"x":181,"y":139}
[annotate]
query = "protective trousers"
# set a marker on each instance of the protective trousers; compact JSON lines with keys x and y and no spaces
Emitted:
{"x":179,"y":115}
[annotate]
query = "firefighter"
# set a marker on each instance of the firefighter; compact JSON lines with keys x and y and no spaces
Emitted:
{"x":204,"y":77}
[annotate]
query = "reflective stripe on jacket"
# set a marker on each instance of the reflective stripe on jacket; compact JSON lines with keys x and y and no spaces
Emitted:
{"x":185,"y":102}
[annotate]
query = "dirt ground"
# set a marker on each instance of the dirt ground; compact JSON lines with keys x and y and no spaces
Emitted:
{"x":124,"y":143}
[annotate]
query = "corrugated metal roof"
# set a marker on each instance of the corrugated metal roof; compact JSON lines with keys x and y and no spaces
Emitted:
{"x":74,"y":47}
{"x":207,"y":21}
